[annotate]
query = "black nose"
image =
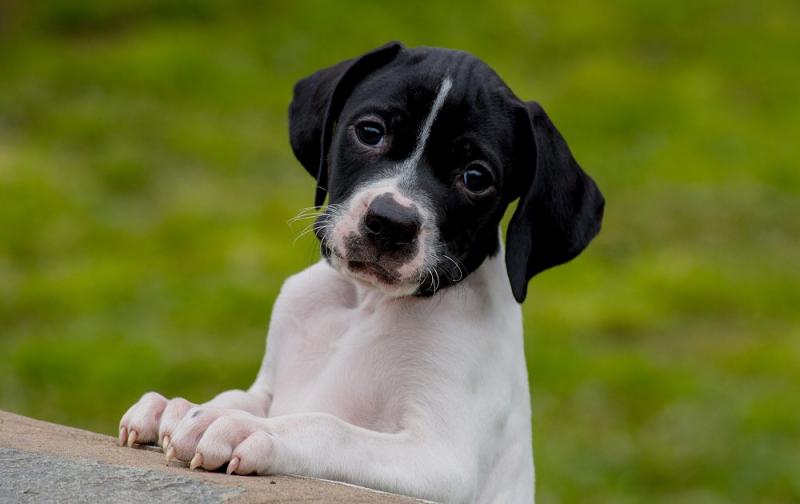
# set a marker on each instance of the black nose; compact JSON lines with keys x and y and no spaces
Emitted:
{"x":389,"y":224}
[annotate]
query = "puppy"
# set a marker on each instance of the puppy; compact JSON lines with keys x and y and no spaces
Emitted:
{"x":397,"y":362}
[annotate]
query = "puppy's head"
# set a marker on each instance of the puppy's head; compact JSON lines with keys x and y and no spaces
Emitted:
{"x":420,"y":151}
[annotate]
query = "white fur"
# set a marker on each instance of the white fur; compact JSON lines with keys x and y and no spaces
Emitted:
{"x":421,"y":396}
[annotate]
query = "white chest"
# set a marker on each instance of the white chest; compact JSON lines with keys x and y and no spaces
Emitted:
{"x":373,"y":360}
{"x":349,"y":361}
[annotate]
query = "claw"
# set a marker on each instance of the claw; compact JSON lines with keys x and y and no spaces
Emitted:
{"x":132,"y":438}
{"x":196,"y":462}
{"x":232,"y":465}
{"x":123,"y":436}
{"x":170,"y":454}
{"x":165,"y":442}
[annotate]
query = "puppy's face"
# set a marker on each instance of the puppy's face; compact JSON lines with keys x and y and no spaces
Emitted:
{"x":420,"y":152}
{"x":418,"y":164}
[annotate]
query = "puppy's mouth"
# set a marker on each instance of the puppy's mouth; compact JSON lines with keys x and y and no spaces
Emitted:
{"x":375,"y":270}
{"x":365,"y":266}
{"x":379,"y":272}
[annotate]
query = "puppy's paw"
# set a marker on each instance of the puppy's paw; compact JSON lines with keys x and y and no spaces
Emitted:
{"x":196,"y":424}
{"x":174,"y":412}
{"x":240,"y":441}
{"x":146,"y":421}
{"x":140,"y":423}
{"x":254,"y":455}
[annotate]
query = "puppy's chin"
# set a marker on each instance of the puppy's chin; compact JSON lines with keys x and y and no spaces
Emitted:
{"x":375,"y":276}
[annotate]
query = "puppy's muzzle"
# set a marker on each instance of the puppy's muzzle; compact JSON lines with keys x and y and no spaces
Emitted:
{"x":381,"y":237}
{"x":390,"y":226}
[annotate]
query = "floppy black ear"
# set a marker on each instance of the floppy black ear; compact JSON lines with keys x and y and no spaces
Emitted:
{"x":317,"y":102}
{"x":559,"y":210}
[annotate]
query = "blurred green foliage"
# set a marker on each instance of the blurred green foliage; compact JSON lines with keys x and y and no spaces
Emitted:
{"x":146,"y":181}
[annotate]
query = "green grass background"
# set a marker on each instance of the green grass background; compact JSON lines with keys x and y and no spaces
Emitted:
{"x":146,"y":181}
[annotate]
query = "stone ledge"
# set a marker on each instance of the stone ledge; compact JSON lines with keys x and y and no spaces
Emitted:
{"x":45,"y":462}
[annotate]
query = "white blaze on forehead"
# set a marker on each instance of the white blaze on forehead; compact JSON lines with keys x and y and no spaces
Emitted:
{"x":425,"y":131}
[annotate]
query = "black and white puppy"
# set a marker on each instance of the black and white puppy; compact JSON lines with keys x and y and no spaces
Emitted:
{"x":397,"y":361}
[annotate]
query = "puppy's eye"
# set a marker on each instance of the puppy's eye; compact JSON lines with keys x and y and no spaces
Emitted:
{"x":477,"y":178}
{"x":370,"y":133}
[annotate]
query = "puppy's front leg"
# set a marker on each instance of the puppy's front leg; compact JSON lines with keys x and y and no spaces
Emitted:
{"x":324,"y":446}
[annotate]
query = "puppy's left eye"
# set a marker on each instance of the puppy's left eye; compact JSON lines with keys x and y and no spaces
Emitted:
{"x":477,"y":178}
{"x":370,"y":133}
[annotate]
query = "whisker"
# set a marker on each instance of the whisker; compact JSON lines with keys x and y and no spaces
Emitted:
{"x":304,"y":213}
{"x":322,"y":225}
{"x":460,"y":271}
{"x":301,"y":217}
{"x":309,"y":212}
{"x":315,"y":227}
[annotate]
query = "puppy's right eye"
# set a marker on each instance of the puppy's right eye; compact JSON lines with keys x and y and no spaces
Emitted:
{"x":370,"y":133}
